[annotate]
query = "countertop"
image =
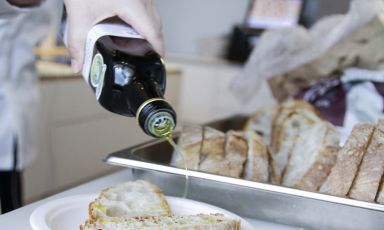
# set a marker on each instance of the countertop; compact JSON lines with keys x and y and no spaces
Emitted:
{"x":19,"y":219}
{"x":47,"y":70}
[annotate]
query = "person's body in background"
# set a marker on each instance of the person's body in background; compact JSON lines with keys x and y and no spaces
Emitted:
{"x":23,"y":23}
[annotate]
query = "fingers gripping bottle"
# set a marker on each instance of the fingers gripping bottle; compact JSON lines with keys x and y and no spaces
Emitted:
{"x":128,"y":77}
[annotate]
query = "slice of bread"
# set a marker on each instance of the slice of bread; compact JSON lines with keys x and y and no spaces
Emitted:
{"x":131,"y":199}
{"x":231,"y":161}
{"x":348,"y":161}
{"x":190,"y":142}
{"x":191,"y":222}
{"x":257,"y":164}
{"x":292,"y":118}
{"x":367,"y":181}
{"x":261,"y":122}
{"x":380,"y":192}
{"x":236,"y":149}
{"x":213,"y":142}
{"x":311,"y":160}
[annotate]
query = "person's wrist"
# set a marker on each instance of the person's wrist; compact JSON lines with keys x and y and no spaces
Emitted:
{"x":24,"y":3}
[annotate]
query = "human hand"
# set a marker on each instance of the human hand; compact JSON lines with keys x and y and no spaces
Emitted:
{"x":82,"y":15}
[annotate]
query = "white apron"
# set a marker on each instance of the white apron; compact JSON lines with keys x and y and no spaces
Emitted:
{"x":20,"y":30}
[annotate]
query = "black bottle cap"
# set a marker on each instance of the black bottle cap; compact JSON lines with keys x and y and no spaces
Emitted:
{"x":157,"y":118}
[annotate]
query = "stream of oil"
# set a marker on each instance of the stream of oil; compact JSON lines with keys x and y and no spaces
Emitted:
{"x":181,"y":154}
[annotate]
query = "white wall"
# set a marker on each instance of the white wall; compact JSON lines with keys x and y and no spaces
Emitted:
{"x":185,"y":22}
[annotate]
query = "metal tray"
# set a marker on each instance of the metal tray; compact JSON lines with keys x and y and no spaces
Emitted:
{"x":261,"y":201}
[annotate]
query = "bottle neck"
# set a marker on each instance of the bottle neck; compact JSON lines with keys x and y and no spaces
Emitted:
{"x":157,"y":118}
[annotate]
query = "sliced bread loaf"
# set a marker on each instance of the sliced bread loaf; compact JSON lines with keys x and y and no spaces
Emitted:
{"x":367,"y":181}
{"x":261,"y":122}
{"x":213,"y":142}
{"x":348,"y":161}
{"x":191,"y":222}
{"x":190,"y":142}
{"x":292,"y":118}
{"x":231,"y":161}
{"x":257,"y":164}
{"x":311,"y":158}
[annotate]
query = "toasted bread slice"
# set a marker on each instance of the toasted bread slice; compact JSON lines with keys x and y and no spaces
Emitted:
{"x":367,"y":181}
{"x":292,"y":118}
{"x":131,"y":199}
{"x":213,"y":142}
{"x":348,"y":160}
{"x":257,"y":164}
{"x":261,"y":122}
{"x":311,"y":160}
{"x":190,"y":142}
{"x":231,"y":163}
{"x":191,"y":222}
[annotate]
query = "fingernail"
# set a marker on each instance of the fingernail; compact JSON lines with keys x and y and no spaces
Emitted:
{"x":75,"y":66}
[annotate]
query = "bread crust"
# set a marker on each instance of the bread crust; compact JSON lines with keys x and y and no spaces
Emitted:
{"x":261,"y":122}
{"x":257,"y":164}
{"x":291,"y":118}
{"x":231,"y":161}
{"x":213,"y":143}
{"x":367,"y":181}
{"x":312,"y":157}
{"x":190,"y":142}
{"x":319,"y":171}
{"x":348,"y":161}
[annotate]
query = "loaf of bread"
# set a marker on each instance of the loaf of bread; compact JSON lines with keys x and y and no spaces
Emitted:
{"x":312,"y":157}
{"x":348,"y":161}
{"x":231,"y":161}
{"x":257,"y":164}
{"x":367,"y":181}
{"x":291,"y":119}
{"x":190,"y":222}
{"x":261,"y":122}
{"x":190,"y":142}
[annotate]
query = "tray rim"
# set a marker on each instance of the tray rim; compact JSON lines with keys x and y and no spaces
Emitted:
{"x":132,"y":162}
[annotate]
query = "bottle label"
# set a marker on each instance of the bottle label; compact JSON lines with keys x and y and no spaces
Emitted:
{"x":97,"y":74}
{"x":98,"y":31}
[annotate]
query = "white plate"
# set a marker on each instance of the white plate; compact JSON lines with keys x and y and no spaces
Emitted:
{"x":70,"y":212}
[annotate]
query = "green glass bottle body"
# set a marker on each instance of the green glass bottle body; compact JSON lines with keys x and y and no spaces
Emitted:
{"x":132,"y":84}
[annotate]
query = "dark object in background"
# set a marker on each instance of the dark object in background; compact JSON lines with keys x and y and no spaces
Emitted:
{"x":329,"y":98}
{"x":242,"y":42}
{"x":244,"y":37}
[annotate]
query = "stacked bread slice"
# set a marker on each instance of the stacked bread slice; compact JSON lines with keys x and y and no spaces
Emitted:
{"x":191,"y":222}
{"x":291,"y":145}
{"x":141,"y":205}
{"x":292,"y":118}
{"x":234,"y":154}
{"x":359,"y":169}
{"x":312,"y":157}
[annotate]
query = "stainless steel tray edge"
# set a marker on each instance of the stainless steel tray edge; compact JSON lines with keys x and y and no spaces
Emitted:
{"x":131,"y":162}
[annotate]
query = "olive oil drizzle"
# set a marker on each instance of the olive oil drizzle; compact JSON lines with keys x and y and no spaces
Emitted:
{"x":177,"y":149}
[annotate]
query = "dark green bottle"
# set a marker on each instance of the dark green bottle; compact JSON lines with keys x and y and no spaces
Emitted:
{"x":129,"y":79}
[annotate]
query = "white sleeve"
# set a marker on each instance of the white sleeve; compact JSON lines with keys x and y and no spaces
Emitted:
{"x":8,"y":10}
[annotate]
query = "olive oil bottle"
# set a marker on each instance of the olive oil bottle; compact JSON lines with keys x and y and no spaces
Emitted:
{"x":128,"y":77}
